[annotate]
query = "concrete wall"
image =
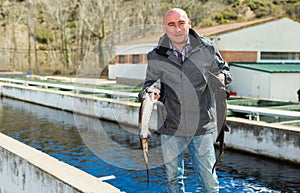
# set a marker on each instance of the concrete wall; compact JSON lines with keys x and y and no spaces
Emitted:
{"x":130,"y":71}
{"x":27,"y":170}
{"x":114,"y":110}
{"x":278,"y":141}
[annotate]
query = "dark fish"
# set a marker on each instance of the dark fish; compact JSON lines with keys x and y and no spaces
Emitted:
{"x":220,"y":139}
{"x":149,"y":98}
{"x":220,"y":95}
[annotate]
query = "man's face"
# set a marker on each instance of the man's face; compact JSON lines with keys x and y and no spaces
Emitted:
{"x":176,"y":25}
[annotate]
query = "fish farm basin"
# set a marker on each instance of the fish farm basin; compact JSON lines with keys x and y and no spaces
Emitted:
{"x":126,"y":136}
{"x":71,"y":138}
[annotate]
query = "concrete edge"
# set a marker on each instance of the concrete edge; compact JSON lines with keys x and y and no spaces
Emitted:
{"x":69,"y":93}
{"x":261,"y":123}
{"x":76,"y":178}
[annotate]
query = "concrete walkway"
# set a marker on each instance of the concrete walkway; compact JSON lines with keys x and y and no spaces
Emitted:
{"x":264,"y":111}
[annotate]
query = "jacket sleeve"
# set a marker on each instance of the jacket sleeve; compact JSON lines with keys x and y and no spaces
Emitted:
{"x":152,"y":74}
{"x":221,"y":66}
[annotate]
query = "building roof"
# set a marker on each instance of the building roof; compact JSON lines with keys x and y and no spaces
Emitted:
{"x":269,"y":67}
{"x":219,"y":29}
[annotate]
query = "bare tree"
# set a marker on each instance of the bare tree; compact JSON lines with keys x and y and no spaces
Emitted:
{"x":90,"y":30}
{"x":60,"y":12}
{"x":31,"y":27}
{"x":14,"y":17}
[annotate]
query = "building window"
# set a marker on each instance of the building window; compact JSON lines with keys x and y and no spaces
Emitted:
{"x":280,"y":56}
{"x":121,"y":59}
{"x":135,"y":59}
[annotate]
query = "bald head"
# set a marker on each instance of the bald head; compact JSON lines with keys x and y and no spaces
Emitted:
{"x":175,"y":11}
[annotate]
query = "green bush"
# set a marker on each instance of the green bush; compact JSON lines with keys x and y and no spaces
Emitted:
{"x":261,"y":8}
{"x":234,"y":3}
{"x":229,"y":15}
{"x":43,"y":47}
{"x":262,"y":12}
{"x":226,"y":15}
{"x":293,"y":10}
{"x":41,"y":35}
{"x":40,"y":16}
{"x":251,"y":4}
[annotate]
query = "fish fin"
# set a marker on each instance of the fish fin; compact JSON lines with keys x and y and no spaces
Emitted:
{"x":142,"y":95}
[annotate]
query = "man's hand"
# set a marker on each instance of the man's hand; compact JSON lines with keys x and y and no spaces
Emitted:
{"x":155,"y":91}
{"x":221,"y":78}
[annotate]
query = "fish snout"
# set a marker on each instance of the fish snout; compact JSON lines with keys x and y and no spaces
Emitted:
{"x":154,"y":96}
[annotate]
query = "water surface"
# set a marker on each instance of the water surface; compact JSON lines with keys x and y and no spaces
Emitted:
{"x":103,"y":148}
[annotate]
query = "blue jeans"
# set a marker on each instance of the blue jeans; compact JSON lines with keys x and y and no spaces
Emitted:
{"x":203,"y":157}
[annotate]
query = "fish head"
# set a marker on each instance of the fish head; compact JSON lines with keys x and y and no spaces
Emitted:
{"x":155,"y":87}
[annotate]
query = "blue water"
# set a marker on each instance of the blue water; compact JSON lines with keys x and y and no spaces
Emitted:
{"x":69,"y":139}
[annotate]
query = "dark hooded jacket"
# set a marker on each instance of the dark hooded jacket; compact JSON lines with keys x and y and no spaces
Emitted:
{"x":188,"y":106}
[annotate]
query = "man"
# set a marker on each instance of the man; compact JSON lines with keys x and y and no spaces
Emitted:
{"x":183,"y":62}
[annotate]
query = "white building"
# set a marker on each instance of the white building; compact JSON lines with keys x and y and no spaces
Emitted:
{"x":272,"y":41}
{"x":131,"y":63}
{"x":266,"y":80}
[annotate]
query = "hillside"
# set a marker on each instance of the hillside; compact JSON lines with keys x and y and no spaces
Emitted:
{"x":54,"y":36}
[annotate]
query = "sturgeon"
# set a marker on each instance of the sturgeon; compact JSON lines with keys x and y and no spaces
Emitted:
{"x":220,"y":95}
{"x":149,"y":97}
{"x":220,"y":139}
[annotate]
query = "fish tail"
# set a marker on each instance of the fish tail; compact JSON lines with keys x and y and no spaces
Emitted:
{"x":148,"y":176}
{"x":221,"y":146}
{"x":144,"y":143}
{"x":217,"y":161}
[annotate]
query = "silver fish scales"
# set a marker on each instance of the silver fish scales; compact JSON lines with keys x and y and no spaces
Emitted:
{"x":149,"y":98}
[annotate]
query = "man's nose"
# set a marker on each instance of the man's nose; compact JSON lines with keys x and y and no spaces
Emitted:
{"x":177,"y":28}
